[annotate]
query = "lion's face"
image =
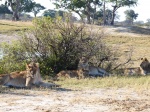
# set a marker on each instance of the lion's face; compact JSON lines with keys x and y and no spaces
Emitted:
{"x":145,"y":65}
{"x":31,"y":68}
{"x":83,"y":64}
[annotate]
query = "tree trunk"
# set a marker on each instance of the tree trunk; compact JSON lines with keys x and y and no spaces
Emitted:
{"x":113,"y":15}
{"x":35,"y":15}
{"x":88,"y":19}
{"x":104,"y":14}
{"x":15,"y":16}
{"x":87,"y":12}
{"x":15,"y":10}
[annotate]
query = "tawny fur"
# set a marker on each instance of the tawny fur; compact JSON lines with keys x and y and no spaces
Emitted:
{"x":28,"y":78}
{"x":133,"y":71}
{"x":91,"y":70}
{"x":71,"y":74}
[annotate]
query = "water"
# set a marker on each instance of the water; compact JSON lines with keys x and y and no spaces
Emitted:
{"x":1,"y":53}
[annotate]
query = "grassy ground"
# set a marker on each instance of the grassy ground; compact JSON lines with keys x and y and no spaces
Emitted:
{"x":136,"y":82}
{"x":13,"y":26}
{"x":135,"y":37}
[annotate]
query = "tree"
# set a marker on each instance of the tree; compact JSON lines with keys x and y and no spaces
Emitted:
{"x":148,"y":23}
{"x":131,"y":15}
{"x":36,"y":8}
{"x":53,"y":13}
{"x":19,"y":6}
{"x":139,"y":23}
{"x":4,"y":9}
{"x":116,"y":4}
{"x":100,"y":15}
{"x":86,"y":7}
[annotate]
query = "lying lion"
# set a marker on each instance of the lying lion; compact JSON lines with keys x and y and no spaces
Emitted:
{"x":134,"y":71}
{"x":145,"y":65}
{"x":71,"y":74}
{"x":28,"y":78}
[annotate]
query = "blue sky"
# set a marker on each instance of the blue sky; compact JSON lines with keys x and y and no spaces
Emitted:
{"x":142,"y":9}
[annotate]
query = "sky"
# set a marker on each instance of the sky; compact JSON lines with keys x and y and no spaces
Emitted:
{"x":142,"y":8}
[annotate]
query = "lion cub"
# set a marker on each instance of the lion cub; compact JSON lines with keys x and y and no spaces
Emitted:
{"x":20,"y":79}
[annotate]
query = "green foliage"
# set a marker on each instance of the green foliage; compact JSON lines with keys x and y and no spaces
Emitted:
{"x":13,"y":58}
{"x":58,"y":45}
{"x":116,"y":4}
{"x":99,"y":15}
{"x":19,"y":6}
{"x":81,"y":7}
{"x":53,"y":13}
{"x":4,"y":9}
{"x":131,"y":15}
{"x":122,"y":3}
{"x":36,"y":7}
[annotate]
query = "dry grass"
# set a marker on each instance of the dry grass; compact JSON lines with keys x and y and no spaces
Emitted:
{"x":136,"y":82}
{"x":13,"y":26}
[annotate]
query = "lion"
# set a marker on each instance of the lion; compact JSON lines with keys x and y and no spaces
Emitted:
{"x":19,"y":78}
{"x":145,"y":65}
{"x":90,"y":69}
{"x":71,"y":74}
{"x":31,"y":77}
{"x":134,"y":71}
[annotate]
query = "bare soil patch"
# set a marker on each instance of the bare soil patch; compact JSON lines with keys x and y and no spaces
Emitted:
{"x":63,"y":100}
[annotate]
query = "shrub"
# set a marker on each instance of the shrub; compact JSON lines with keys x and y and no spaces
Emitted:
{"x":57,"y":45}
{"x":14,"y":58}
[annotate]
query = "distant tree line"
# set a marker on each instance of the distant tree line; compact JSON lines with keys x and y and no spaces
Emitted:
{"x":20,"y":6}
{"x":94,"y":9}
{"x":90,"y":9}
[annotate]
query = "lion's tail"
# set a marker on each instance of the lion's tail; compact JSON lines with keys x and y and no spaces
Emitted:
{"x":4,"y":78}
{"x":47,"y":85}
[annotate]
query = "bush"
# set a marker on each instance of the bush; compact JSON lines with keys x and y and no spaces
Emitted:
{"x":14,"y":59}
{"x":57,"y":45}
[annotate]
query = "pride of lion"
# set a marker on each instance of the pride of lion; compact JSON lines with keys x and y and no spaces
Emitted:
{"x":31,"y":77}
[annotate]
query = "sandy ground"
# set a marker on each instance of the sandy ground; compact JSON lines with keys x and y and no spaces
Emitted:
{"x":8,"y":38}
{"x":67,"y":100}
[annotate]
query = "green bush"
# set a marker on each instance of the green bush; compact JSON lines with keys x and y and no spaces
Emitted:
{"x":14,"y":59}
{"x":57,"y":45}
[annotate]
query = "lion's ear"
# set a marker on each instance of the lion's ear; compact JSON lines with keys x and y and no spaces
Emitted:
{"x":37,"y":64}
{"x":27,"y":65}
{"x":145,"y":59}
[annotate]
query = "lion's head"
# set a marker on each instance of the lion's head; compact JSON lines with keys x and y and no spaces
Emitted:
{"x":145,"y":65}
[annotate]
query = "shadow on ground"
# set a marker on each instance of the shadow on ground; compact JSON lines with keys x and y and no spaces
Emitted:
{"x":30,"y":92}
{"x":133,"y":29}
